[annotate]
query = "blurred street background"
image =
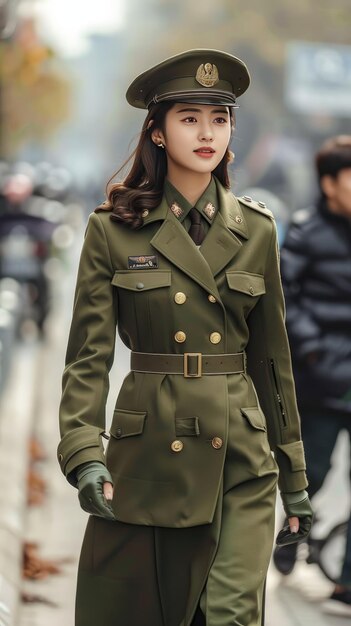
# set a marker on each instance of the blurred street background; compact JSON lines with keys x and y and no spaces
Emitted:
{"x":65,"y":128}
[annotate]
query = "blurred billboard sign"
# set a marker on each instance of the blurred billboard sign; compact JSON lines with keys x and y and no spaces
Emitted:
{"x":318,"y":78}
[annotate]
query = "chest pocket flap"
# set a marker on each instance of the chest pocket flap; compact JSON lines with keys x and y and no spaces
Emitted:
{"x":251,"y":284}
{"x":141,"y":280}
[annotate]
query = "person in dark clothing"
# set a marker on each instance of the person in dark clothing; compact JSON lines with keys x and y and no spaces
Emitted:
{"x":316,"y":274}
{"x":25,"y":245}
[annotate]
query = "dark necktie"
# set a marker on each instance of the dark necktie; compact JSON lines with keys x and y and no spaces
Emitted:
{"x":196,"y":230}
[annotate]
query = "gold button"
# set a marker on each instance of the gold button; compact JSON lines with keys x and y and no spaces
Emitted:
{"x":60,"y":457}
{"x":217,"y":443}
{"x":180,"y":336}
{"x":211,"y":298}
{"x":238,"y":219}
{"x":177,"y":446}
{"x":251,"y":290}
{"x":215,"y":337}
{"x":179,"y":297}
{"x":145,"y":213}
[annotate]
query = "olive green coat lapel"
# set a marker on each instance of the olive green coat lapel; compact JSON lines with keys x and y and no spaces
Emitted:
{"x":218,"y":248}
{"x":221,"y":244}
{"x":174,"y":243}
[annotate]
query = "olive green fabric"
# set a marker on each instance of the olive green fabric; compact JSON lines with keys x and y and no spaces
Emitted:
{"x":294,"y":498}
{"x":204,"y":76}
{"x":154,"y":576}
{"x":122,"y":565}
{"x":174,"y":439}
{"x":235,"y":585}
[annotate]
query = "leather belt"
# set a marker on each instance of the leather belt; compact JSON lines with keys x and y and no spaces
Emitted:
{"x":189,"y":364}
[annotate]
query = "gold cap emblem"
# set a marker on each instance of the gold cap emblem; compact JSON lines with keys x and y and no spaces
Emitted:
{"x":207,"y":74}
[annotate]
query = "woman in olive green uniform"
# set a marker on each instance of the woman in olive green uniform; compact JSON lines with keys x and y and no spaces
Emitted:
{"x":182,"y":503}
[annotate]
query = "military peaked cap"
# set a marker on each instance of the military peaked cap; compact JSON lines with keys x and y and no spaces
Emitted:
{"x":202,"y":76}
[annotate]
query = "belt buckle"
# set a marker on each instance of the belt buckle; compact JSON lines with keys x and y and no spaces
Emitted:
{"x":198,"y":374}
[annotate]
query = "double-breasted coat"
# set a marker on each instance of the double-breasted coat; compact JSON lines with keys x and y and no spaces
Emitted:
{"x":182,"y":451}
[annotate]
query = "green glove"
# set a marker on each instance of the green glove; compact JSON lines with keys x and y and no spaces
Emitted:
{"x":91,"y":477}
{"x":296,"y":504}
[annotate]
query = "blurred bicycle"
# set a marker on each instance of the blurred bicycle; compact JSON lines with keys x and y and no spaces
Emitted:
{"x":329,"y":552}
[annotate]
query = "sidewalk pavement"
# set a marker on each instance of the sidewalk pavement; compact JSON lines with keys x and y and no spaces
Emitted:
{"x":296,"y":600}
{"x":21,"y":405}
{"x":15,"y":428}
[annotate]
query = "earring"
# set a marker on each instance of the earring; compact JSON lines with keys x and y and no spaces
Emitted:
{"x":160,"y":145}
{"x":230,"y":156}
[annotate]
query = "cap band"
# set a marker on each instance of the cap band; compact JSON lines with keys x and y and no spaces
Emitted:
{"x":215,"y":96}
{"x":190,"y":84}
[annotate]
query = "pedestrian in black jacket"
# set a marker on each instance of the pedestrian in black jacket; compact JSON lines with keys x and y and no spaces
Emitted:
{"x":316,"y":273}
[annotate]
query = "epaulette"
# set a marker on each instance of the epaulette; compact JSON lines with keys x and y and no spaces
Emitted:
{"x":256,"y":205}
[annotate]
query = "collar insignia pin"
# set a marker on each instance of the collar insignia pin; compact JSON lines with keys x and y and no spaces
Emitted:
{"x":176,"y":210}
{"x":210,"y":210}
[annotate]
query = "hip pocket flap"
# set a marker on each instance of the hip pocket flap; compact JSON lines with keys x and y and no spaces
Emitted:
{"x":255,"y":417}
{"x":127,"y":423}
{"x":295,"y":453}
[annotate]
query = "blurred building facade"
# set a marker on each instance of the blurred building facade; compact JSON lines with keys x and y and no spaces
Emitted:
{"x":273,"y":143}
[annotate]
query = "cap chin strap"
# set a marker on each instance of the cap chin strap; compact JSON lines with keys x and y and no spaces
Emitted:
{"x":215,"y":96}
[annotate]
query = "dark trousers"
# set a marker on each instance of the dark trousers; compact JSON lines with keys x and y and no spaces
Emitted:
{"x":320,"y":430}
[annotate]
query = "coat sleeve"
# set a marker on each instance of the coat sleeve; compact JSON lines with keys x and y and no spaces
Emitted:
{"x":269,"y":365}
{"x":304,"y":332}
{"x":89,"y":355}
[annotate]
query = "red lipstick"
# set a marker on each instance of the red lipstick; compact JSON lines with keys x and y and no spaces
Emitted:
{"x":205,"y":152}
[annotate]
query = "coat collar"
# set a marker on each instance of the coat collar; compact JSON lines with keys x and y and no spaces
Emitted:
{"x":207,"y":204}
{"x":218,"y":249}
{"x":157,"y":214}
{"x":229,"y":207}
{"x":231,"y":211}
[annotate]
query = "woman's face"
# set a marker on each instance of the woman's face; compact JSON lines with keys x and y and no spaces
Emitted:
{"x":196,"y":137}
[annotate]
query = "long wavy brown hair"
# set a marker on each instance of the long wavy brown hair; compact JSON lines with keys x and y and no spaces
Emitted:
{"x":142,"y":188}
